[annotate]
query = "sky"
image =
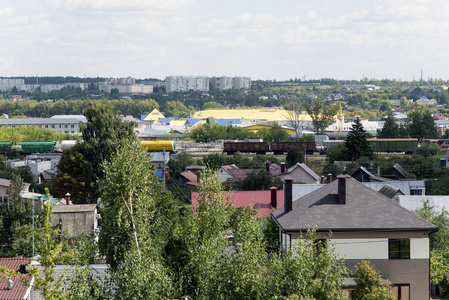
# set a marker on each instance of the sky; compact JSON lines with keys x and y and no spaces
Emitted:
{"x":261,"y":39}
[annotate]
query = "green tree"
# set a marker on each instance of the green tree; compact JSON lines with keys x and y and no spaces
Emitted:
{"x":137,"y":212}
{"x":294,"y":155}
{"x":356,"y":142}
{"x":256,"y":181}
{"x":439,"y":241}
{"x":369,"y":284}
{"x":15,"y":212}
{"x":102,"y":134}
{"x":71,"y":177}
{"x":175,"y":109}
{"x":177,"y":164}
{"x":50,"y":255}
{"x":420,"y":123}
{"x":390,"y":130}
{"x":322,"y":115}
{"x":212,"y":105}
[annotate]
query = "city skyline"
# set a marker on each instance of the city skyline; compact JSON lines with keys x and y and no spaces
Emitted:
{"x":259,"y":39}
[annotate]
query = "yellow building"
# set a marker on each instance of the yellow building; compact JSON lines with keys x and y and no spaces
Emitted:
{"x":259,"y":114}
{"x":154,"y":116}
{"x":255,"y":128}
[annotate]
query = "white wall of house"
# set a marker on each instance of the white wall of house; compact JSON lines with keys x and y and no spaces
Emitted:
{"x":372,"y":248}
{"x":419,"y":248}
{"x":361,"y":248}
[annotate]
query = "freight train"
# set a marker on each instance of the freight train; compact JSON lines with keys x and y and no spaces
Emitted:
{"x":264,"y":147}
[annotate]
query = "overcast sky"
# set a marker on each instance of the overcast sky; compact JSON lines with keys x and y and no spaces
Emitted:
{"x":262,"y":39}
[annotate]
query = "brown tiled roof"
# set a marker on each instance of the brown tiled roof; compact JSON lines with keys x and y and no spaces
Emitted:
{"x":19,"y":289}
{"x":189,"y":175}
{"x":365,"y":210}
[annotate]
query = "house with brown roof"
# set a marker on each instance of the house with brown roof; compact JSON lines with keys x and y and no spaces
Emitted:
{"x":365,"y":224}
{"x":188,"y":178}
{"x":15,"y":289}
{"x":262,"y":202}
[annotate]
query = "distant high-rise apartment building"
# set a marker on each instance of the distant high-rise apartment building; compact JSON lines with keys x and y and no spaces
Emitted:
{"x":241,"y":83}
{"x":7,"y":84}
{"x":201,"y":83}
{"x":186,"y":83}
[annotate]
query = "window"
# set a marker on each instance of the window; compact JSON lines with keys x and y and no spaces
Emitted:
{"x":399,"y":248}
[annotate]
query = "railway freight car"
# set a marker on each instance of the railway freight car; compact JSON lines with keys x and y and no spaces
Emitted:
{"x":246,"y":147}
{"x":406,"y":146}
{"x":5,"y":146}
{"x":158,"y":146}
{"x":29,"y":147}
{"x":282,"y":147}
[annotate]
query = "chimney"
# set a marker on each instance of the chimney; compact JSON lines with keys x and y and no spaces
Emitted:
{"x":198,"y":177}
{"x":274,"y":199}
{"x":166,"y":173}
{"x":282,"y":167}
{"x":67,"y":199}
{"x":378,"y":170}
{"x":322,"y":179}
{"x":10,"y":283}
{"x":341,"y":189}
{"x":288,"y":195}
{"x":267,"y":166}
{"x":329,"y":177}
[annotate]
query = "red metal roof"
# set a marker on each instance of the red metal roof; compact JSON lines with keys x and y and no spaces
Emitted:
{"x":260,"y":201}
{"x":19,"y":289}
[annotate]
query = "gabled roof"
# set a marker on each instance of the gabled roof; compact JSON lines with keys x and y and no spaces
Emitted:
{"x":399,"y":169}
{"x":305,"y":168}
{"x":155,"y":115}
{"x":390,"y":191}
{"x":19,"y":290}
{"x":189,"y":175}
{"x":364,"y":210}
{"x":260,"y":201}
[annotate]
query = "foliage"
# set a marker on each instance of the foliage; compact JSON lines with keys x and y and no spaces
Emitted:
{"x":256,"y":181}
{"x":138,"y":214}
{"x":274,"y":134}
{"x":175,"y":109}
{"x":310,"y":269}
{"x":369,"y":284}
{"x":31,"y":133}
{"x":71,"y":177}
{"x":293,"y":113}
{"x":391,"y":129}
{"x":50,"y":255}
{"x":294,"y":155}
{"x":429,"y":150}
{"x":213,"y":266}
{"x":15,"y":212}
{"x":207,"y":133}
{"x":322,"y":115}
{"x":356,"y":142}
{"x":212,"y":105}
{"x":178,"y":163}
{"x":102,"y":134}
{"x":439,"y":241}
{"x":337,"y":153}
{"x":421,"y":124}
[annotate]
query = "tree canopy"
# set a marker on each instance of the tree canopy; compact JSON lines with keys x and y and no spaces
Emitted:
{"x":322,"y":115}
{"x":356,"y":142}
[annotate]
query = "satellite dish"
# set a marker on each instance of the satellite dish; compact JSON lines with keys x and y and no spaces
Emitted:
{"x":5,"y":116}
